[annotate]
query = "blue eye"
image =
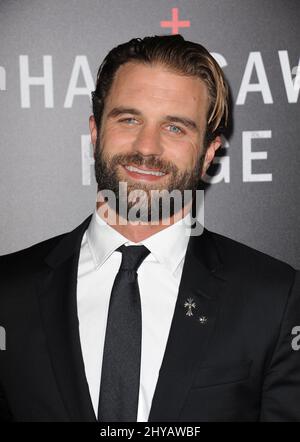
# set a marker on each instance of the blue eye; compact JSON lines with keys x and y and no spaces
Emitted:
{"x":129,"y":120}
{"x":176,"y":129}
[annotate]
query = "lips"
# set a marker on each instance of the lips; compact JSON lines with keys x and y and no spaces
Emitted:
{"x":141,"y":172}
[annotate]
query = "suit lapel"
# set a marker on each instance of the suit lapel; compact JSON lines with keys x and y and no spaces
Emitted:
{"x":58,"y":306}
{"x":189,"y":335}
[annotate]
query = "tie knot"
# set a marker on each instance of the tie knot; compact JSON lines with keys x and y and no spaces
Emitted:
{"x":132,"y":256}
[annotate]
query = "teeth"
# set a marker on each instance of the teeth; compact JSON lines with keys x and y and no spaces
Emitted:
{"x":145,"y":172}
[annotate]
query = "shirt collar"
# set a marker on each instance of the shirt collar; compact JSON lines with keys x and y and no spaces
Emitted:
{"x":167,"y":246}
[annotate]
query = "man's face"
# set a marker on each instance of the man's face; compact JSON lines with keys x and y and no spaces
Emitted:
{"x":152,"y":131}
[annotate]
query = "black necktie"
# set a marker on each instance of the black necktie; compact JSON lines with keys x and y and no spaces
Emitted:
{"x":120,"y":377}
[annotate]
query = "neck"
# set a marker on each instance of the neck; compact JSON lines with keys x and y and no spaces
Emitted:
{"x":138,"y":230}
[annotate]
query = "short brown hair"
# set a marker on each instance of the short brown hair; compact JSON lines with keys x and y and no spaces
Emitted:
{"x":182,"y":56}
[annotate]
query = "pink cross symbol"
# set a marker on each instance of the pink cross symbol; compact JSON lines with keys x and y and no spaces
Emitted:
{"x":175,"y":24}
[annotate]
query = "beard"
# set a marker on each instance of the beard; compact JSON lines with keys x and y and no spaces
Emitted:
{"x":149,"y":202}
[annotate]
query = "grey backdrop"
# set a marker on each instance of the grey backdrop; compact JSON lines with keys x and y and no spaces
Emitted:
{"x":47,"y":184}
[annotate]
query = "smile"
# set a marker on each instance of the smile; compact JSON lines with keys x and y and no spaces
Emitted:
{"x":148,"y":172}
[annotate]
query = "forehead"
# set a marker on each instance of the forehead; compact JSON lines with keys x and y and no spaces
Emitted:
{"x":160,"y":87}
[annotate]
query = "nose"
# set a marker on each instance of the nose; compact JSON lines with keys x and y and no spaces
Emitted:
{"x":148,"y":141}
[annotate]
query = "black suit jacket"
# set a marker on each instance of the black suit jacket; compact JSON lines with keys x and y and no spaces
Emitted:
{"x":232,"y":360}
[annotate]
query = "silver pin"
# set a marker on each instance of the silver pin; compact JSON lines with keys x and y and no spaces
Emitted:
{"x":189,"y":304}
{"x":203,"y":319}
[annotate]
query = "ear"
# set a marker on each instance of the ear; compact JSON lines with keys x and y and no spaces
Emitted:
{"x":93,"y":130}
{"x":210,"y":153}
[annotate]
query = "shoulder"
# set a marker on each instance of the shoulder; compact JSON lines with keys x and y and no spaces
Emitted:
{"x":32,"y":259}
{"x":248,"y":265}
{"x":238,"y":252}
{"x":29,"y":258}
{"x":264,"y":286}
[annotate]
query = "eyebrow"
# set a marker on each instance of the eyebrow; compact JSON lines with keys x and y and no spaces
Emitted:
{"x":185,"y":121}
{"x":117,"y":111}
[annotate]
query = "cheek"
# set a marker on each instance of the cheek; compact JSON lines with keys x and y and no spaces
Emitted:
{"x":115,"y":140}
{"x":184,"y":153}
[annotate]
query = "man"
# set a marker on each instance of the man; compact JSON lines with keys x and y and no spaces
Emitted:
{"x":128,"y":317}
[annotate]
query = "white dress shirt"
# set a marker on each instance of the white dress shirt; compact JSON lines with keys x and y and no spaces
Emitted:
{"x":158,"y":278}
